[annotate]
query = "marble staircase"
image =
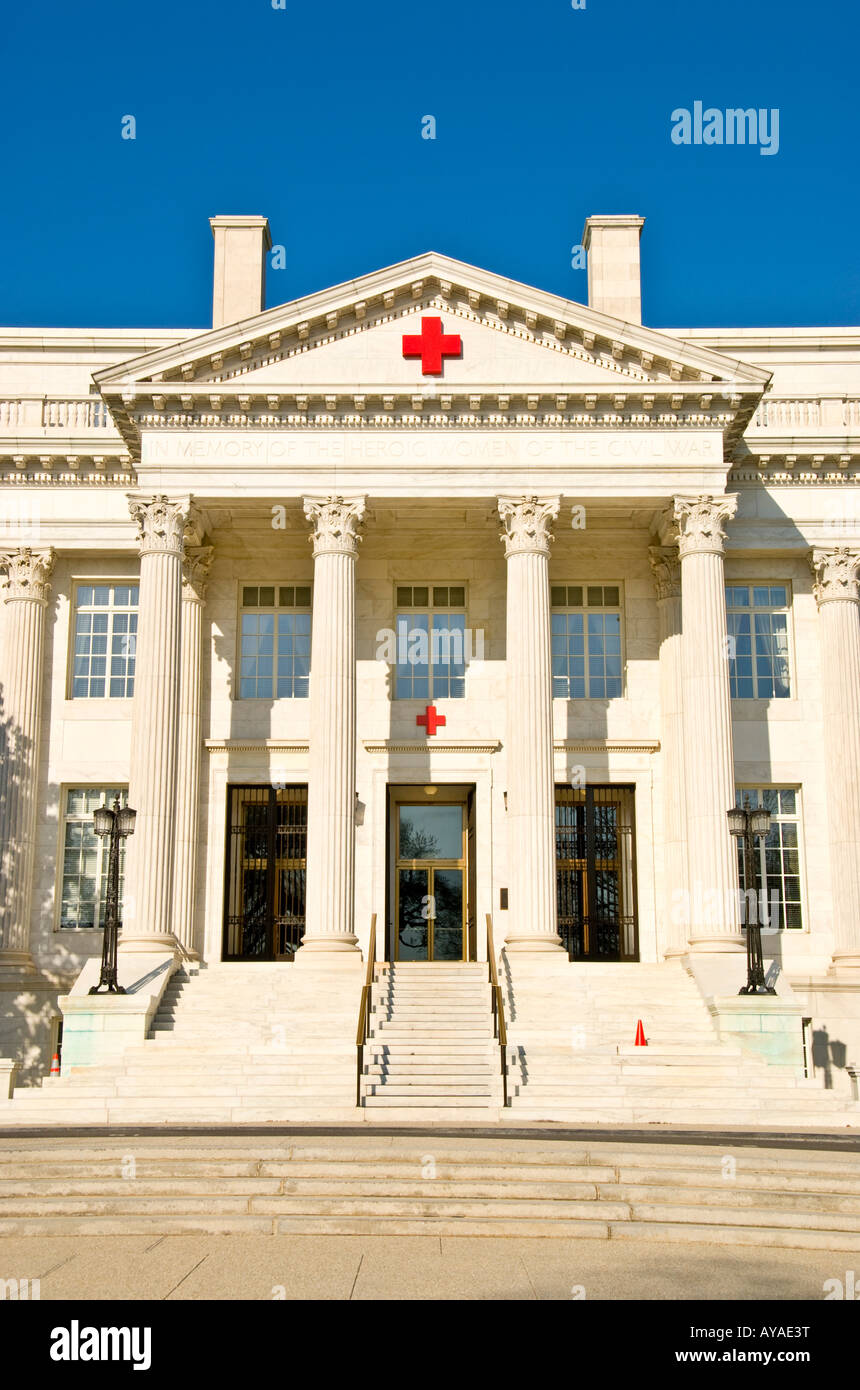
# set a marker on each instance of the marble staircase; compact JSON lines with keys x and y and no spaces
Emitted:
{"x":431,"y":1052}
{"x":363,"y":1183}
{"x":572,"y":1054}
{"x":230,"y":1044}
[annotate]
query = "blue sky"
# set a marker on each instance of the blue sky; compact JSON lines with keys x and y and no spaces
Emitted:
{"x":312,"y":114}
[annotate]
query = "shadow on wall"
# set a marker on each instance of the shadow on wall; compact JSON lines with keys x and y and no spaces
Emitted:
{"x":828,"y":1055}
{"x":28,"y":1010}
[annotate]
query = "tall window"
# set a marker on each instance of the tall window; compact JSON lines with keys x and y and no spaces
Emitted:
{"x":105,"y":641}
{"x":85,"y":857}
{"x":586,"y":641}
{"x":431,"y":642}
{"x":757,"y":622}
{"x":275,"y":660}
{"x":777,"y":858}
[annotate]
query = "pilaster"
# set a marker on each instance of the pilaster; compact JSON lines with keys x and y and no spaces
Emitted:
{"x":666,"y":569}
{"x":837,"y":593}
{"x":196,"y":564}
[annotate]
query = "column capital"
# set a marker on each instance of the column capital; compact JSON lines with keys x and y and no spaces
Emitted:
{"x":701,"y":523}
{"x":336,"y":522}
{"x":527,"y":522}
{"x":161,"y":522}
{"x":666,"y":569}
{"x":836,"y":574}
{"x":196,"y":564}
{"x":28,"y":572}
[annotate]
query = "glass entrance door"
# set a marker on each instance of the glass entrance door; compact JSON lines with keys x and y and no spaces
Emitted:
{"x":430,"y":882}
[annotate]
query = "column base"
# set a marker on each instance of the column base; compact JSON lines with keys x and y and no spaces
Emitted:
{"x":723,"y":944}
{"x":314,"y":947}
{"x":845,"y":960}
{"x":17,"y":965}
{"x":142,"y":943}
{"x":521,"y":943}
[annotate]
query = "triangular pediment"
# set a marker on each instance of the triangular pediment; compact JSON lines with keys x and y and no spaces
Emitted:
{"x":342,"y":349}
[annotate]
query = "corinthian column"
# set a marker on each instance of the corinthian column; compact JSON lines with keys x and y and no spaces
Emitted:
{"x":837,"y":594}
{"x":26,"y":597}
{"x":714,"y":921}
{"x":196,"y":564}
{"x":531,"y":783}
{"x":666,"y":568}
{"x":148,"y":907}
{"x":330,"y":906}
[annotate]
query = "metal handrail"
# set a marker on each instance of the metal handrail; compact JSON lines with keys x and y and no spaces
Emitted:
{"x":499,"y":1029}
{"x":364,"y":1008}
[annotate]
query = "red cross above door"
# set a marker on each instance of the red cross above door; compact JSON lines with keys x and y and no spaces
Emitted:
{"x":431,"y":719}
{"x":431,"y":345}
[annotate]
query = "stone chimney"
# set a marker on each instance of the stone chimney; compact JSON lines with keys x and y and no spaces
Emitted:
{"x":614,"y":280}
{"x":239,"y":289}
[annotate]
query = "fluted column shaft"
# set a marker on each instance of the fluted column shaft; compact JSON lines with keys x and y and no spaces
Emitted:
{"x":196,"y":563}
{"x":330,"y":904}
{"x":25,"y":597}
{"x":666,"y":567}
{"x":530,"y":776}
{"x":148,"y":901}
{"x":714,"y":918}
{"x":838,"y":596}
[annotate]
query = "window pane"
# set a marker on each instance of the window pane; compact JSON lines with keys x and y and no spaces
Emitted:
{"x":420,"y":597}
{"x":574,"y":596}
{"x":404,"y":596}
{"x":267,"y":597}
{"x":286,"y":597}
{"x":610,"y":595}
{"x":595,"y":596}
{"x":249,"y":598}
{"x":558,"y":596}
{"x":456,"y":597}
{"x":303,"y":596}
{"x":440,"y":595}
{"x":788,"y":801}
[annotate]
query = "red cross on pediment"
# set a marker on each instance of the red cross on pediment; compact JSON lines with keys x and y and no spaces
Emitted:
{"x":431,"y":345}
{"x":431,"y":719}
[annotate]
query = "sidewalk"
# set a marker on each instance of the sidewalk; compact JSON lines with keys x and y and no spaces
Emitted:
{"x":192,"y":1267}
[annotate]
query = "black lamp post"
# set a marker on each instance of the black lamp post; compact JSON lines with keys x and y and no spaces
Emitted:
{"x":118,"y":823}
{"x":747,"y":824}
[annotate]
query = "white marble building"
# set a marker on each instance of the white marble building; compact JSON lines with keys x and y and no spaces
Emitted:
{"x":242,"y":564}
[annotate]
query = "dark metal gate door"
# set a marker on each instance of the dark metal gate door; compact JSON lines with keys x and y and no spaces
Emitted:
{"x":596,"y":872}
{"x":264,"y":910}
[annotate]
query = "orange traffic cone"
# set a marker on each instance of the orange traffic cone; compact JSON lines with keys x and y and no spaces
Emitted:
{"x":55,"y":1065}
{"x":641,"y":1040}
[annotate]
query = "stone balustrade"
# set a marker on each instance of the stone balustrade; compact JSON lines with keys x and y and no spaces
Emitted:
{"x":42,"y":416}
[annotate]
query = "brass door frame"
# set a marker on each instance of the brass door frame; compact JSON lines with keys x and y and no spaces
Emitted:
{"x":431,"y":865}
